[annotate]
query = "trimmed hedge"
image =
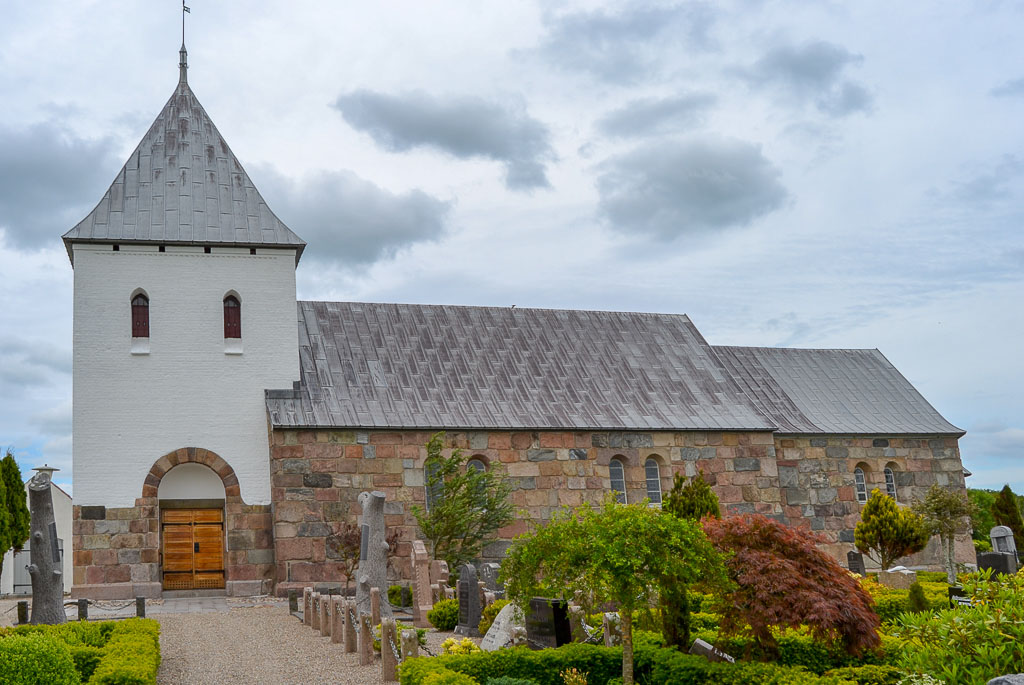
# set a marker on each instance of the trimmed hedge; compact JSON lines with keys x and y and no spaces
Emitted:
{"x":869,"y":675}
{"x":890,"y":603}
{"x":604,"y":664}
{"x":445,"y":615}
{"x":107,"y":653}
{"x":36,"y":659}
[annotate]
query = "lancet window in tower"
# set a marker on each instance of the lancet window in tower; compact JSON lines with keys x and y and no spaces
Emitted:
{"x":140,"y":316}
{"x":232,"y":317}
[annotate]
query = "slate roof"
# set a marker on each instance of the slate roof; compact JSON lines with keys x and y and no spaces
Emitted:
{"x":183,"y":186}
{"x":367,"y":365}
{"x":832,"y":391}
{"x":428,"y":366}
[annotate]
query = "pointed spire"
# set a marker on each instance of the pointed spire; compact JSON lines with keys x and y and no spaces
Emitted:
{"x":183,"y":64}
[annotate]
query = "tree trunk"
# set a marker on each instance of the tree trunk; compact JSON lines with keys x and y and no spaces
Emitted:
{"x":950,"y":545}
{"x":627,"y":645}
{"x":45,"y":567}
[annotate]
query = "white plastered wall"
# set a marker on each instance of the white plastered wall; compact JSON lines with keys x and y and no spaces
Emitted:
{"x":190,"y":389}
{"x":191,"y":481}
{"x":62,"y":517}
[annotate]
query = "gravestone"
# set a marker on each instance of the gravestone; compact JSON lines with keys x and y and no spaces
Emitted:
{"x":1003,"y":563}
{"x":1009,"y":679}
{"x":709,"y":652}
{"x":898,"y":578}
{"x":489,"y":574}
{"x":547,"y":624}
{"x":577,"y":626}
{"x":500,"y":633}
{"x":957,"y":596}
{"x":1002,"y":539}
{"x":373,"y":553}
{"x":422,"y":595}
{"x":855,"y":562}
{"x":612,"y":629}
{"x":439,"y":573}
{"x":469,"y":602}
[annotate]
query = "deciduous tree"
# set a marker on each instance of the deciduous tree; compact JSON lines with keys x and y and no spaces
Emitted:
{"x":1006,"y":512}
{"x":783,"y":579}
{"x":465,"y":507}
{"x":886,"y":532}
{"x":615,"y":553}
{"x":946,"y":513}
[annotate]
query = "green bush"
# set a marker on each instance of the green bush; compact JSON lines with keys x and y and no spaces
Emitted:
{"x":86,"y":659}
{"x":916,"y":599}
{"x":446,"y":677}
{"x":890,"y":603}
{"x":505,"y":680}
{"x":445,"y":615}
{"x":489,"y":613}
{"x":704,"y":621}
{"x":603,"y":664}
{"x":931,"y":577}
{"x":968,"y":644}
{"x":869,"y":675}
{"x":36,"y":659}
{"x":400,"y":596}
{"x":131,"y":655}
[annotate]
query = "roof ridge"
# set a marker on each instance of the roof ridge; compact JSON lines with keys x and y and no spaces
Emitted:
{"x":500,"y":307}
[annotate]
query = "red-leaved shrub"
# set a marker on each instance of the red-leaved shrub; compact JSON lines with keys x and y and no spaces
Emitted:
{"x":783,"y":579}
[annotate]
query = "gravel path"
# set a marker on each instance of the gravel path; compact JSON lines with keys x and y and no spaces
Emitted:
{"x":258,"y":645}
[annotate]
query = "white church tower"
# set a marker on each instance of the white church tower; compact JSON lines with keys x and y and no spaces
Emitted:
{"x":184,"y":312}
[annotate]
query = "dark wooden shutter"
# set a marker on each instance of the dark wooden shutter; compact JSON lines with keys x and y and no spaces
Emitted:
{"x":232,"y":317}
{"x":140,"y":316}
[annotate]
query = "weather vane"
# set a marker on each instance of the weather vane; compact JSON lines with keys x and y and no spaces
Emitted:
{"x":184,"y":9}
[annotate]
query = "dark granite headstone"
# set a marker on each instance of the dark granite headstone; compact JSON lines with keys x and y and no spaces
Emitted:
{"x":469,"y":602}
{"x":709,"y":652}
{"x":547,"y":624}
{"x":999,"y":562}
{"x":855,"y":562}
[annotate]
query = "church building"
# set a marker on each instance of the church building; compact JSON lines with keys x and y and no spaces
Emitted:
{"x":222,"y":429}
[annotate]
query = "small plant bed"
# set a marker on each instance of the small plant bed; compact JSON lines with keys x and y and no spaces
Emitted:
{"x":104,"y":653}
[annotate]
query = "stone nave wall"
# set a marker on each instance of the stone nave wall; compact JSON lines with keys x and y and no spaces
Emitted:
{"x":808,"y":482}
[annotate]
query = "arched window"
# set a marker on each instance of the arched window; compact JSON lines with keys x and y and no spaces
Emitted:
{"x":890,"y":482}
{"x":653,"y":475}
{"x":860,"y":484}
{"x":232,"y":317}
{"x":476,"y":464}
{"x":140,"y":316}
{"x":618,"y":479}
{"x":433,"y":483}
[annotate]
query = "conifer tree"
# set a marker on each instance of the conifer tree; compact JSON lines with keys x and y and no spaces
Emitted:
{"x":1006,"y":513}
{"x":946,"y":513}
{"x":690,"y":501}
{"x":14,"y":514}
{"x":886,"y":532}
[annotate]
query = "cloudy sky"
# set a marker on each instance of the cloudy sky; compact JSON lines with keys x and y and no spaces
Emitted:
{"x":800,"y":174}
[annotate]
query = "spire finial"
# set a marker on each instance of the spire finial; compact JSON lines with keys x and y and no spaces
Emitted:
{"x":183,"y":53}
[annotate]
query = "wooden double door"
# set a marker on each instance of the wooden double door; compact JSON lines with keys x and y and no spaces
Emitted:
{"x":193,"y":548}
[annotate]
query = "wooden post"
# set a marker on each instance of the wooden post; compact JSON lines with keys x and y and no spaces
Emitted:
{"x":365,"y":640}
{"x":140,"y":607}
{"x":337,"y":620}
{"x":83,"y":609}
{"x":22,"y":612}
{"x":410,"y":644}
{"x":389,"y":651}
{"x":307,"y":606}
{"x":375,"y":605}
{"x":45,"y":567}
